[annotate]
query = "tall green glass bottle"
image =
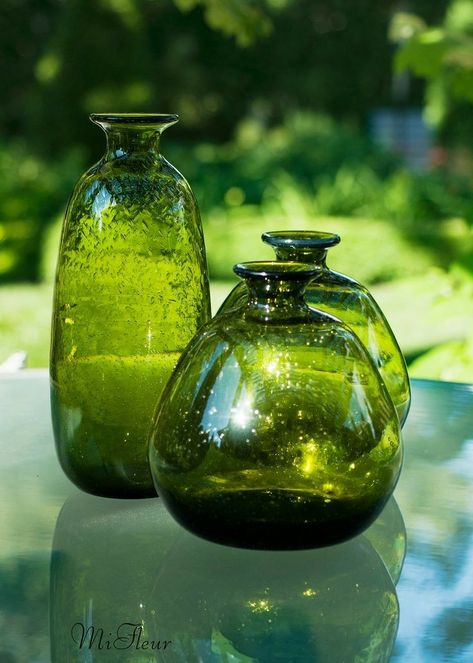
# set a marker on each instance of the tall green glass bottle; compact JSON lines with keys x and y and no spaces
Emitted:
{"x":346,"y":299}
{"x":131,"y":291}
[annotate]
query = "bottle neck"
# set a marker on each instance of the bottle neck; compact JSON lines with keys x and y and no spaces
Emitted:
{"x":307,"y":256}
{"x":132,"y":142}
{"x":275,"y":300}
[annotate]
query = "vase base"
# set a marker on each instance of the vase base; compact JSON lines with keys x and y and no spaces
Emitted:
{"x":117,"y":493}
{"x":109,"y":486}
{"x":262,"y":522}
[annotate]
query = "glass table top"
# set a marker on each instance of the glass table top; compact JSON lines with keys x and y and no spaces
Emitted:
{"x":90,"y":579}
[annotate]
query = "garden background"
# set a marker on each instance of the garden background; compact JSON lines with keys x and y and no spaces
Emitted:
{"x":353,"y":117}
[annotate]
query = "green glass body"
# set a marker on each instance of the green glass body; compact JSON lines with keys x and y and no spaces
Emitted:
{"x":346,"y":299}
{"x":275,"y":430}
{"x":131,"y":291}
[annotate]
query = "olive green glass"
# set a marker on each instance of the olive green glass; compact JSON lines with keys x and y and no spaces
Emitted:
{"x":131,"y":291}
{"x":275,"y":430}
{"x":345,"y":298}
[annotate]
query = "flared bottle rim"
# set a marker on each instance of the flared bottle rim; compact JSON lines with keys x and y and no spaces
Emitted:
{"x":275,"y":270}
{"x":306,"y":239}
{"x":149,"y":119}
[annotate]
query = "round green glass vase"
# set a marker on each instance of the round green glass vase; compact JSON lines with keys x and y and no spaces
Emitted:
{"x":345,"y":298}
{"x":275,"y":430}
{"x":131,"y":290}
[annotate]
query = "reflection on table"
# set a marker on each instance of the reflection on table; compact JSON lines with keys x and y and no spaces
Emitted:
{"x":434,"y":493}
{"x":129,"y":584}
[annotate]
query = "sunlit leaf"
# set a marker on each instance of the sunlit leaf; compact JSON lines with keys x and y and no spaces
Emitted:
{"x":127,"y":10}
{"x":443,"y":55}
{"x":404,"y":26}
{"x":423,"y":54}
{"x":436,"y":102}
{"x":245,"y":20}
{"x":459,"y":16}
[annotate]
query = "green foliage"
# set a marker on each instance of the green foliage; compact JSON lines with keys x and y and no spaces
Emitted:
{"x":451,"y":357}
{"x":309,"y":167}
{"x":308,"y":148}
{"x":25,"y":322}
{"x":339,"y":169}
{"x":59,"y":62}
{"x":445,"y":51}
{"x":312,"y":167}
{"x":452,"y":361}
{"x":243,"y":19}
{"x":428,"y":309}
{"x":184,"y":56}
{"x":435,"y":53}
{"x":234,"y":236}
{"x":424,"y":52}
{"x":31,"y":193}
{"x":443,"y":55}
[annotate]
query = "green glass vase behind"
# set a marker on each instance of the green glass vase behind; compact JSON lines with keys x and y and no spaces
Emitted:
{"x":275,"y":430}
{"x":131,"y":291}
{"x":345,"y":298}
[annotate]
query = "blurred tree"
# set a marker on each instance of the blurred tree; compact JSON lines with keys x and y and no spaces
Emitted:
{"x":443,"y":55}
{"x":25,"y":27}
{"x":65,"y":59}
{"x":234,"y":70}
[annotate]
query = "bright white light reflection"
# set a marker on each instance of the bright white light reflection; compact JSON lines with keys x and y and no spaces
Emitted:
{"x":271,"y":367}
{"x":242,"y":413}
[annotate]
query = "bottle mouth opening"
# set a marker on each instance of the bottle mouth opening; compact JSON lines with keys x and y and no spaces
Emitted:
{"x":273,"y":270}
{"x":303,"y":239}
{"x":142,"y":119}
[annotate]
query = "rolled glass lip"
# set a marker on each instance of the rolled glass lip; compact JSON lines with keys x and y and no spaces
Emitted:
{"x":134,"y":118}
{"x":304,"y":239}
{"x":275,"y":270}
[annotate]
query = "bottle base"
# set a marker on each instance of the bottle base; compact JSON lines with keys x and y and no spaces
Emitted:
{"x":117,"y":493}
{"x":109,"y":486}
{"x":243,"y":519}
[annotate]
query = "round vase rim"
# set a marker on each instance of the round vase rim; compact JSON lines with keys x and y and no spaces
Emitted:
{"x":300,"y":238}
{"x":134,"y":118}
{"x":275,"y":270}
